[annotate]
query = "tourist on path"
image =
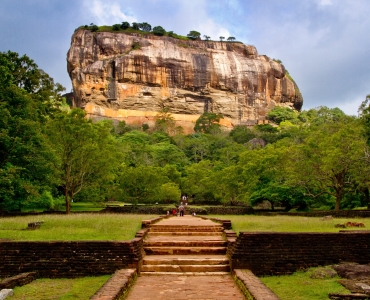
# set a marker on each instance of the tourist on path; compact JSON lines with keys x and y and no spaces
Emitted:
{"x":181,"y":209}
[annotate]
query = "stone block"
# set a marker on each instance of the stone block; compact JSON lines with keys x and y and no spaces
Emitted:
{"x":6,"y":293}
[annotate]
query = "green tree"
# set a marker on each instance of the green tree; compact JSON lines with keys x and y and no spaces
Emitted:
{"x":125,"y":25}
{"x":116,"y":27}
{"x":207,"y":38}
{"x":279,"y":114}
{"x":142,"y":184}
{"x":364,"y":113}
{"x":197,"y":147}
{"x":197,"y":181}
{"x":231,"y":38}
{"x":28,"y":96}
{"x":135,"y":25}
{"x":327,"y":161}
{"x":193,"y":35}
{"x":168,"y":192}
{"x":208,"y":123}
{"x":241,"y":134}
{"x":85,"y":152}
{"x":165,"y":122}
{"x":158,"y":30}
{"x":222,"y":38}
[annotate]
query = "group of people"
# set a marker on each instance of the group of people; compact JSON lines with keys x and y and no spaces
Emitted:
{"x":181,"y":209}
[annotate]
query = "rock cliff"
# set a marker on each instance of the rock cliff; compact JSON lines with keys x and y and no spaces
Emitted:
{"x":132,"y":77}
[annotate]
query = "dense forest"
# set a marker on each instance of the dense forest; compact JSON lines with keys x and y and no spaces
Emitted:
{"x":51,"y":154}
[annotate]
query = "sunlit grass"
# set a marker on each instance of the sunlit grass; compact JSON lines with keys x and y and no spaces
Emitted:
{"x":73,"y":227}
{"x":288,"y":223}
{"x":61,"y":289}
{"x":299,"y":286}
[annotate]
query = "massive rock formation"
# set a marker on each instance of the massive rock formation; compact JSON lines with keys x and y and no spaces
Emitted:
{"x":132,"y":77}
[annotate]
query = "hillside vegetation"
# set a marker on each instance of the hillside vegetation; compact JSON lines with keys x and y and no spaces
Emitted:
{"x":51,"y":155}
{"x":145,"y":29}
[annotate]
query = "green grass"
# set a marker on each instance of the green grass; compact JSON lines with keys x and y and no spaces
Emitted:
{"x":288,"y":223}
{"x":73,"y":227}
{"x":87,"y":206}
{"x":61,"y":289}
{"x":299,"y":286}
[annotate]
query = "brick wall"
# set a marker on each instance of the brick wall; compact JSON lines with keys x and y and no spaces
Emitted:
{"x":335,"y":214}
{"x":69,"y":259}
{"x":159,"y":210}
{"x":266,"y":253}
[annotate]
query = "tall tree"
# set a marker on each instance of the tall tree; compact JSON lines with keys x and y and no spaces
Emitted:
{"x":125,"y":25}
{"x":28,"y":96}
{"x":326,"y":162}
{"x":208,"y":122}
{"x":85,"y":152}
{"x":194,"y":35}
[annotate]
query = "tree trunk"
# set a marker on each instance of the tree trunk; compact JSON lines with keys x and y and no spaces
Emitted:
{"x":338,"y":197}
{"x":367,"y":197}
{"x":68,"y":206}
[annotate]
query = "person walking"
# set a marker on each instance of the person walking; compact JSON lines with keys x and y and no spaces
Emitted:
{"x":182,"y":210}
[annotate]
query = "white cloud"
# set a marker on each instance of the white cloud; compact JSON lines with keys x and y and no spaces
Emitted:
{"x":210,"y":28}
{"x":107,"y":12}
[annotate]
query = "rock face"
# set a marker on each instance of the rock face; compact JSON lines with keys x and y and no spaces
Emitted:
{"x":132,"y":77}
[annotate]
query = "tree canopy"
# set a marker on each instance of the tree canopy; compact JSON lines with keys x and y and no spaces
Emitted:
{"x":319,"y":158}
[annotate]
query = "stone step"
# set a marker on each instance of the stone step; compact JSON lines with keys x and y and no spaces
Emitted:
{"x":185,"y":268}
{"x":194,"y":243}
{"x":185,"y":273}
{"x":162,"y":228}
{"x":186,"y":260}
{"x":194,"y":233}
{"x":183,"y":250}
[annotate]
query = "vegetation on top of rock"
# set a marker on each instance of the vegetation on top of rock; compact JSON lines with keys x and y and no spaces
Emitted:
{"x":146,"y":28}
{"x":158,"y":30}
{"x":193,"y":35}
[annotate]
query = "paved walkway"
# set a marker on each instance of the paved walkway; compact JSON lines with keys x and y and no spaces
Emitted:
{"x":178,"y":287}
{"x":185,"y":221}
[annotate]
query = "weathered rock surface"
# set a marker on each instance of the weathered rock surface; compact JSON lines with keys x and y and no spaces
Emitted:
{"x":353,"y":271}
{"x":132,"y":77}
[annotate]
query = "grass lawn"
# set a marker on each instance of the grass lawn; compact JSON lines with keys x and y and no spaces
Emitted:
{"x":288,"y":223}
{"x":299,"y":286}
{"x":73,"y":227}
{"x":61,"y":289}
{"x":87,"y":206}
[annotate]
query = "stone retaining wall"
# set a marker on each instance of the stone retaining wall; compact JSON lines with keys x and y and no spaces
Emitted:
{"x":252,"y":286}
{"x":334,"y":214}
{"x":159,"y":210}
{"x":57,"y":259}
{"x":266,"y":253}
{"x":116,"y":286}
{"x":18,"y":280}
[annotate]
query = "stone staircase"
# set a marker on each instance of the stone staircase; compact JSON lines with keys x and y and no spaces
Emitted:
{"x":189,"y":249}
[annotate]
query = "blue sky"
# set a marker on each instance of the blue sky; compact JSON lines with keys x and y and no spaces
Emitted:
{"x":324,"y":44}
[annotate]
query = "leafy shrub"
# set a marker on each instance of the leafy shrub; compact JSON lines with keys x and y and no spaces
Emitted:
{"x":125,"y":25}
{"x":158,"y":30}
{"x":116,"y":27}
{"x":279,"y":114}
{"x":194,"y":35}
